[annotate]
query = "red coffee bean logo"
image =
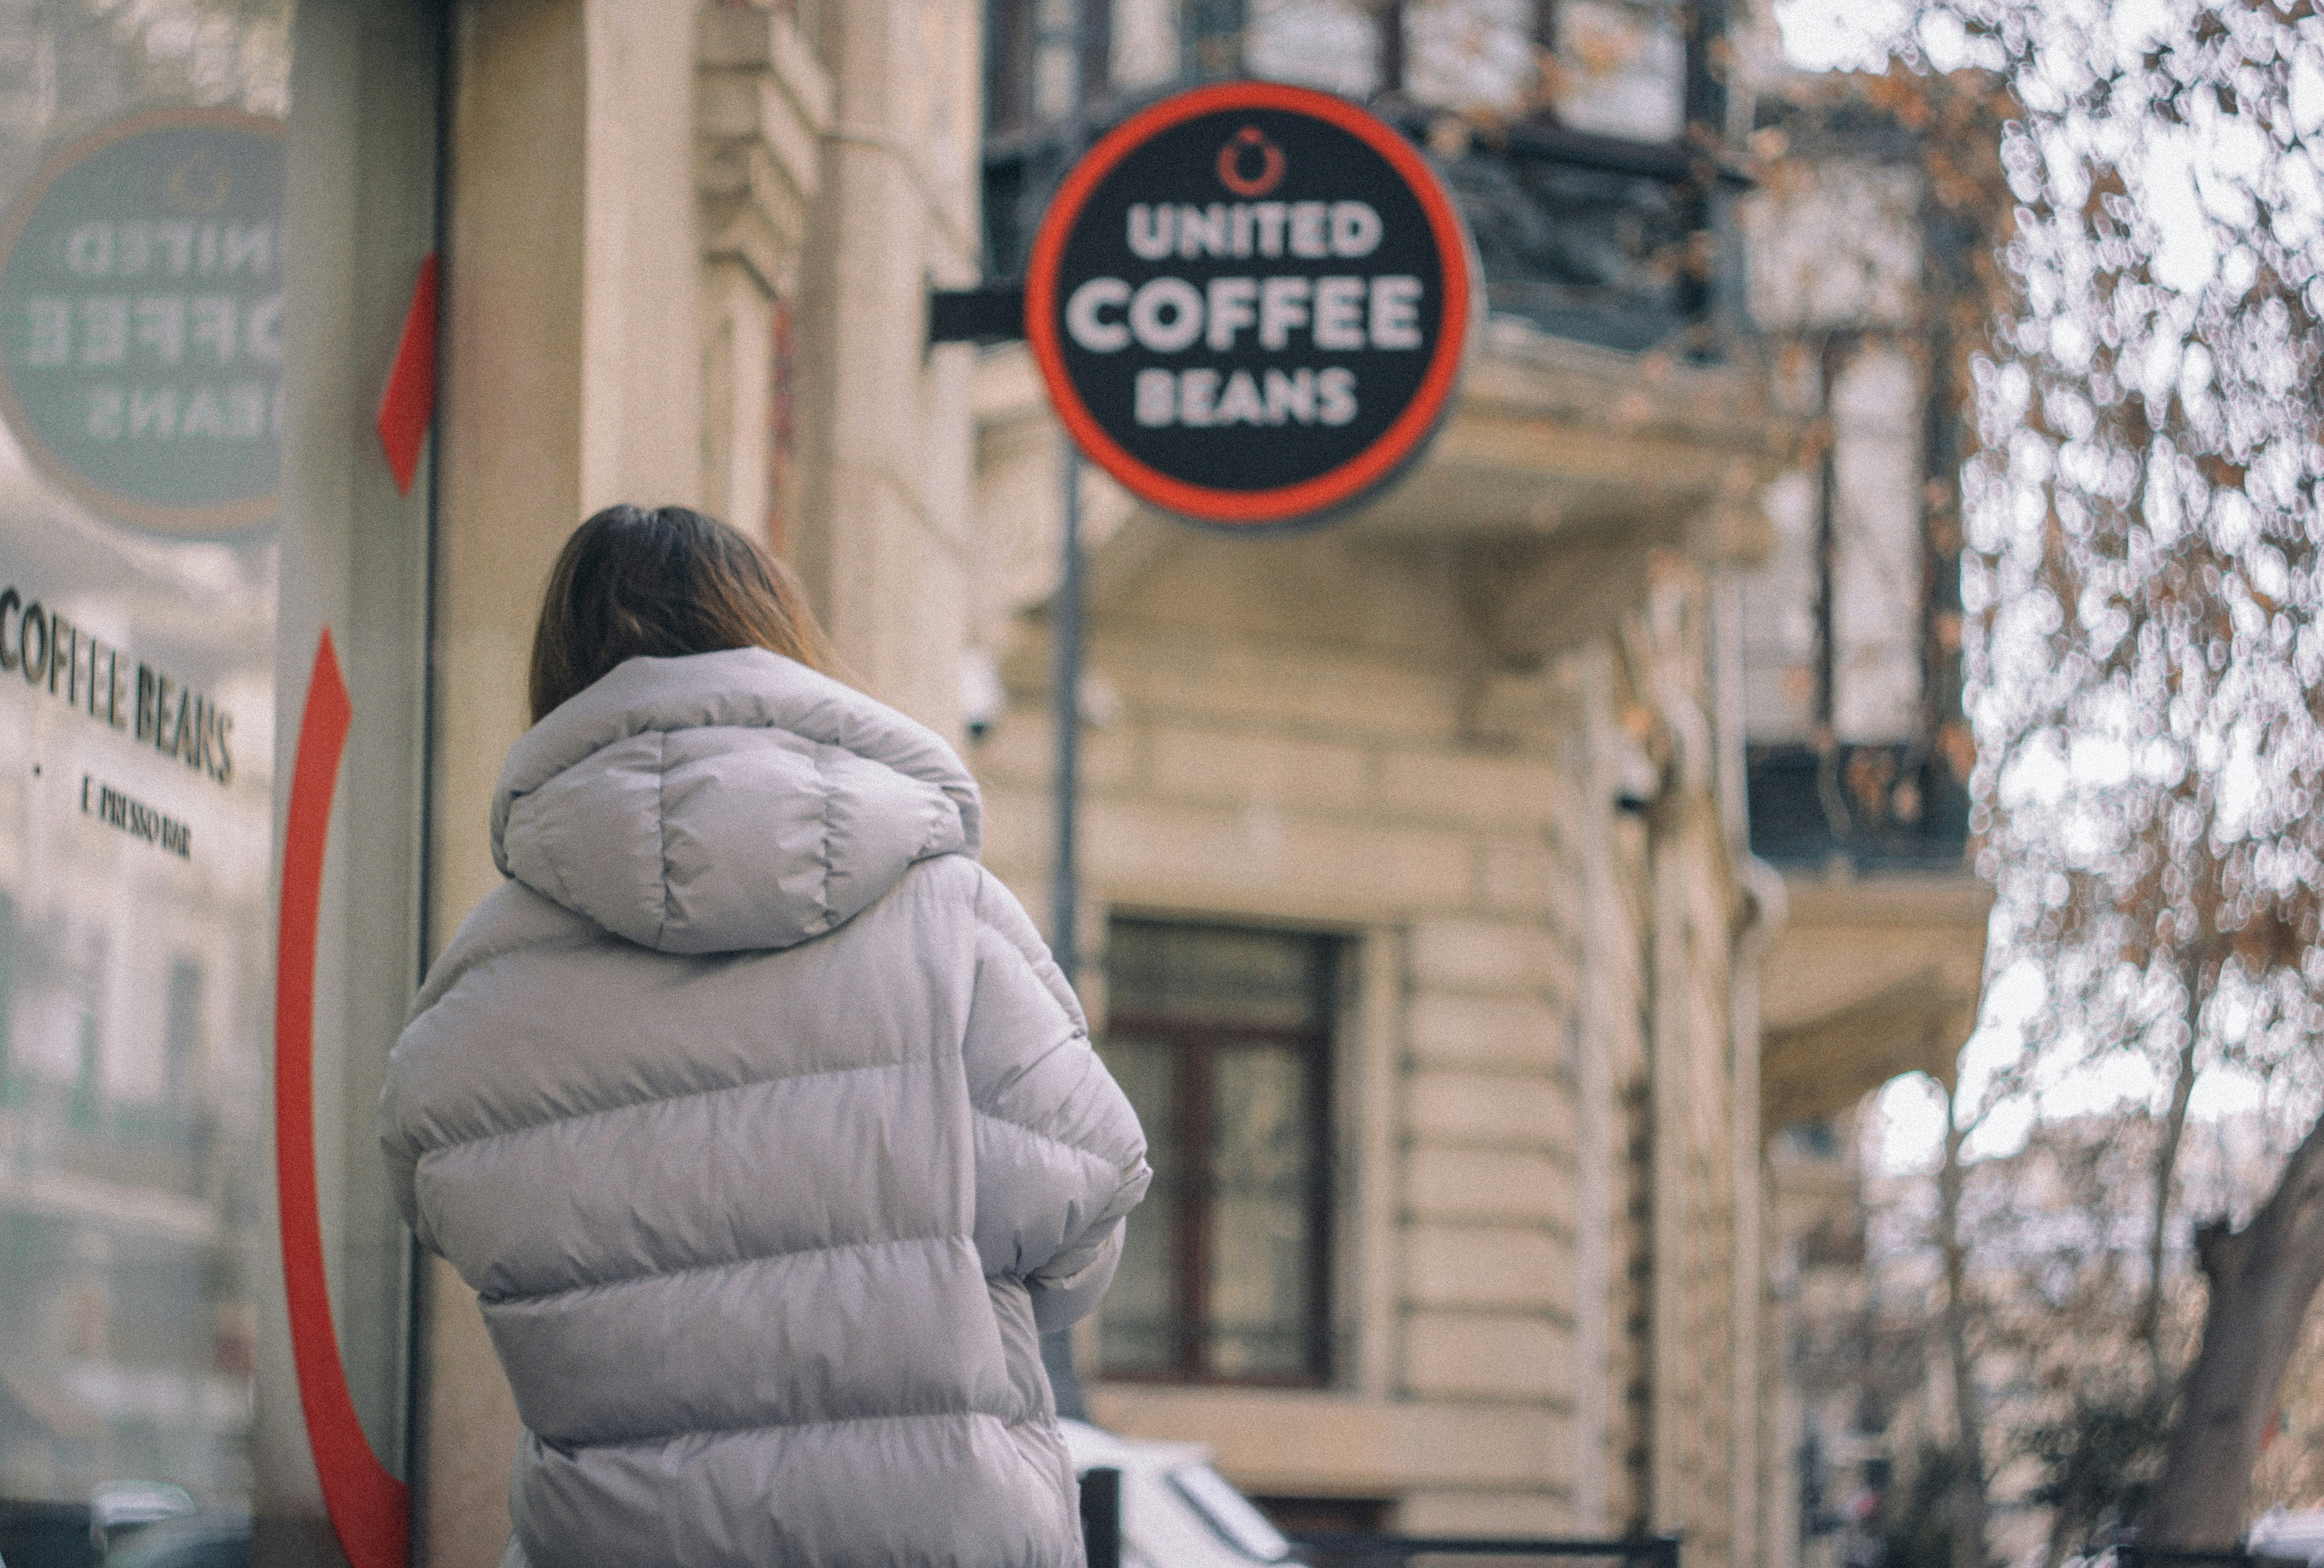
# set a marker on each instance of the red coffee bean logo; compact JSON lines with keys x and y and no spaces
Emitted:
{"x":1232,"y":157}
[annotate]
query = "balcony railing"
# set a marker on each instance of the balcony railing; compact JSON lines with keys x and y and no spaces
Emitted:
{"x":1867,"y":808}
{"x":1592,"y":238}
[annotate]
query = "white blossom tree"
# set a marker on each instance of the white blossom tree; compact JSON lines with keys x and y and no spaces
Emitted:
{"x":2146,"y":660}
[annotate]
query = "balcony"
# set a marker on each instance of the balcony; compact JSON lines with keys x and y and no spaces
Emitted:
{"x":1862,"y":809}
{"x":1588,"y":238}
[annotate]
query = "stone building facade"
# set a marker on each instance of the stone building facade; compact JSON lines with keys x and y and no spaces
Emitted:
{"x":1483,"y":751}
{"x":1485,"y":740}
{"x":687,"y":252}
{"x":1419,"y":901}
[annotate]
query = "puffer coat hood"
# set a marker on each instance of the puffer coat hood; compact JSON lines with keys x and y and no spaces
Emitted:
{"x":725,"y":802}
{"x":767,"y":1135}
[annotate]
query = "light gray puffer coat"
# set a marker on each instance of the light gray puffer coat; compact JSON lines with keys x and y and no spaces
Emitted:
{"x":758,"y":1115}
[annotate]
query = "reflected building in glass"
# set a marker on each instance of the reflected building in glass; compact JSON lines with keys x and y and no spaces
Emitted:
{"x":142,"y":560}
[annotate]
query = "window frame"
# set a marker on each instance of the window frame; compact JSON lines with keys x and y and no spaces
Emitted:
{"x":1193,"y":1045}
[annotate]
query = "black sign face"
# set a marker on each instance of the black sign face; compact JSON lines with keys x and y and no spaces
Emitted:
{"x":1249,"y":303}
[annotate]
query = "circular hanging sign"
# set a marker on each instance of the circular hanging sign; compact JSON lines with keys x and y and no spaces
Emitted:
{"x":1251,"y":303}
{"x":141,"y":320}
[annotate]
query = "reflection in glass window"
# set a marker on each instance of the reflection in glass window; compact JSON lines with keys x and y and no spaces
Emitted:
{"x":1472,"y":55}
{"x":1876,"y":548}
{"x":141,"y":299}
{"x":1330,"y":44}
{"x":181,"y":1034}
{"x":1221,"y":1039}
{"x":1620,"y":69}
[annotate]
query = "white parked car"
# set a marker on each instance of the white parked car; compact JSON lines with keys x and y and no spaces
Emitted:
{"x":2283,"y":1533}
{"x":1176,"y":1511}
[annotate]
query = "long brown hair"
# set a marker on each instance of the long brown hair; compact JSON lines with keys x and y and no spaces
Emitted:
{"x":663,"y":583}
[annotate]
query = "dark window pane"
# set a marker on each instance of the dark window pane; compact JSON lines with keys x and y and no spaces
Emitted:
{"x":1216,"y":974}
{"x":1138,"y":1324}
{"x":1008,"y":64}
{"x":1212,"y":35}
{"x":1261,"y":1264}
{"x":1096,"y":72}
{"x":1221,"y":1039}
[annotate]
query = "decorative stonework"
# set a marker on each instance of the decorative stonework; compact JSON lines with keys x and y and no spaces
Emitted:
{"x":762,"y":105}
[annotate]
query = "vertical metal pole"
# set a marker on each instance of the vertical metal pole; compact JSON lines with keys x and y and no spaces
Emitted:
{"x":1066,"y":714}
{"x":1064,"y":28}
{"x":1065,"y":870}
{"x":1102,"y":1516}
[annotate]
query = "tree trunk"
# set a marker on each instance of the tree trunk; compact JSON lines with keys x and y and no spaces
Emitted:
{"x":1969,"y":1504}
{"x":2166,"y":1171}
{"x":2262,"y":1279}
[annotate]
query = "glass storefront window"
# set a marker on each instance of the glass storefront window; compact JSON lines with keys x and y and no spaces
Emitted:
{"x":194,"y":310}
{"x":140,"y":338}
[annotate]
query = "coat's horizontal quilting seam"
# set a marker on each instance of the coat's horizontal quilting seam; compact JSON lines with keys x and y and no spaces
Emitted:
{"x":1019,"y":1071}
{"x":715,"y":1433}
{"x":519,"y":1297}
{"x":1078,"y":1150}
{"x":581,"y":936}
{"x":1016,"y":935}
{"x":468,"y":952}
{"x":933,"y":1412}
{"x":596,"y":1112}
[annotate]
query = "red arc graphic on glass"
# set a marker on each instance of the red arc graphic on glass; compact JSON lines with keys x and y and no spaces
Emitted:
{"x":409,"y":403}
{"x":370,"y":1509}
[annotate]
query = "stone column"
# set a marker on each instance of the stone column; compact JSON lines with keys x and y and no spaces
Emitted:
{"x":884,"y":534}
{"x":762,"y":106}
{"x":568,"y":379}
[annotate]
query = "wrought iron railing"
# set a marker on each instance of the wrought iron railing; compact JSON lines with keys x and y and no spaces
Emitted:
{"x":1592,"y":238}
{"x":1871,"y":808}
{"x":1351,"y":1551}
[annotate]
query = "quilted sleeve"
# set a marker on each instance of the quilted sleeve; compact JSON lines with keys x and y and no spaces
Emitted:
{"x":1060,"y":1159}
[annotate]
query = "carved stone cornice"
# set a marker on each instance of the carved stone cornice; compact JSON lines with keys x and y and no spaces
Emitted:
{"x":762,"y":106}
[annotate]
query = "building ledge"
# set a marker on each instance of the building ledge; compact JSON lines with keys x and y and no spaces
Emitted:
{"x":1869,"y":978}
{"x":1550,"y":443}
{"x":1310,"y":1441}
{"x":762,"y":106}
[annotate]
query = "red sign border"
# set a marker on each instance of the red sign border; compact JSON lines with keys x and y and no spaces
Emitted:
{"x":1326,"y":491}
